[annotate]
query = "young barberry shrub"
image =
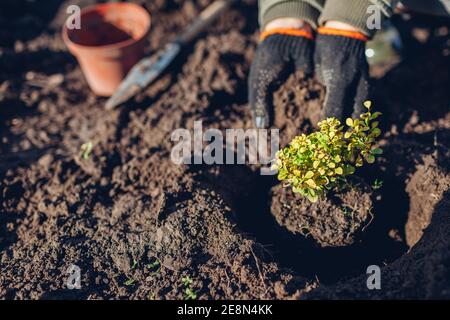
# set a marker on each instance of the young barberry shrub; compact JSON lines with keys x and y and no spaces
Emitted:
{"x":322,"y":160}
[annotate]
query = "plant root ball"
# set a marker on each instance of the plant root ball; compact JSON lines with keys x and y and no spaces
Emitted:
{"x":336,"y":220}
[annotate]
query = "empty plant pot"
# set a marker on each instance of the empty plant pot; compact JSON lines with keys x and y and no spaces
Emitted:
{"x":110,"y":41}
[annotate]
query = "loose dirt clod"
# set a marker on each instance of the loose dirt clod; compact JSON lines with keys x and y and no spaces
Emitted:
{"x":425,"y":190}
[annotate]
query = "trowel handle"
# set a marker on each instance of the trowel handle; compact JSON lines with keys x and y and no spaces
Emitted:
{"x":206,"y":17}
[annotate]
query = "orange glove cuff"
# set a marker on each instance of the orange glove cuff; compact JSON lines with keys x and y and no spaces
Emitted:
{"x":343,"y":33}
{"x":287,"y":31}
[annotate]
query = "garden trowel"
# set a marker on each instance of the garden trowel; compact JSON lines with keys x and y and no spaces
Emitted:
{"x":148,"y":69}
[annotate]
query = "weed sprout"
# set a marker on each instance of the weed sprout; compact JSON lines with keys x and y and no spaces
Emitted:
{"x":377,"y":184}
{"x":86,"y":149}
{"x":189,"y":294}
{"x":129,"y":282}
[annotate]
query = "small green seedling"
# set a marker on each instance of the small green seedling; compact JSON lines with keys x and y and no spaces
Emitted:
{"x":346,"y":211}
{"x":377,"y":184}
{"x":189,"y":294}
{"x":154,"y":266}
{"x":321,"y":161}
{"x":86,"y":149}
{"x":129,"y":282}
{"x":187,"y":281}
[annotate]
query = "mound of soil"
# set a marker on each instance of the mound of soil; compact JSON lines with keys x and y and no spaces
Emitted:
{"x":335,"y":220}
{"x":137,"y":224}
{"x":425,"y":194}
{"x":197,"y":237}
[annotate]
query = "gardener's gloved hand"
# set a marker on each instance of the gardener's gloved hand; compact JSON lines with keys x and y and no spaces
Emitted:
{"x":282,"y":50}
{"x":341,"y":66}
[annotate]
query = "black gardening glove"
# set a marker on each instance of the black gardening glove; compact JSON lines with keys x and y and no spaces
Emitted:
{"x":341,"y":66}
{"x":278,"y":55}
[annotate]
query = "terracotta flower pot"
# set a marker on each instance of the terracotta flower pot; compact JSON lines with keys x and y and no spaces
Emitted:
{"x":110,"y":41}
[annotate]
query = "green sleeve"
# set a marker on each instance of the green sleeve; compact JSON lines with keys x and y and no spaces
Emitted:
{"x":357,"y":12}
{"x":353,"y":12}
{"x":308,"y":10}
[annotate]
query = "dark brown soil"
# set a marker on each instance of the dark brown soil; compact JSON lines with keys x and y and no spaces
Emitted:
{"x":423,"y":272}
{"x":299,"y":106}
{"x":424,"y":194}
{"x":137,"y":224}
{"x":335,"y":220}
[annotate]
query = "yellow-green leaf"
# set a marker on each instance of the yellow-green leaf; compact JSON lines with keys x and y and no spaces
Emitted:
{"x":339,"y":170}
{"x":350,"y":170}
{"x":311,"y":183}
{"x":359,"y":162}
{"x":282,"y":175}
{"x":376,"y":132}
{"x":375,"y":115}
{"x":377,"y":151}
{"x":309,"y":175}
{"x":370,"y":159}
{"x":349,"y":122}
{"x":312,"y":198}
